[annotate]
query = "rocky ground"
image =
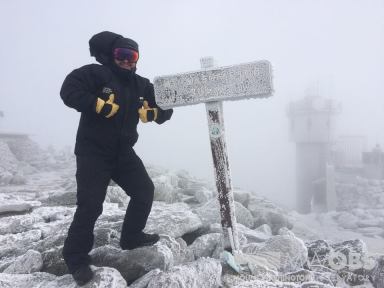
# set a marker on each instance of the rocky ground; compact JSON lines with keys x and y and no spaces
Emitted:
{"x":280,"y":248}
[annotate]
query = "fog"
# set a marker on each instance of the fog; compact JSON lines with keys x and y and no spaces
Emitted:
{"x":333,"y":47}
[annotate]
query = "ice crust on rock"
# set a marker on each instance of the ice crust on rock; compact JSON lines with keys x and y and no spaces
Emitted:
{"x":242,"y":197}
{"x":249,"y":235}
{"x":43,"y":227}
{"x":133,"y":264}
{"x":265,"y":212}
{"x":205,"y":272}
{"x":28,"y":263}
{"x":203,"y":195}
{"x":205,"y":245}
{"x":285,"y":253}
{"x":8,"y":164}
{"x":166,"y":188}
{"x":116,"y":194}
{"x":172,"y":219}
{"x":13,"y":203}
{"x":18,"y":224}
{"x":179,"y":249}
{"x":210,"y":213}
{"x":143,"y":282}
{"x":105,"y":277}
{"x":20,"y":239}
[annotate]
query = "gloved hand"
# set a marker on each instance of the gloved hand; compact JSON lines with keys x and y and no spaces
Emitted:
{"x":146,"y":113}
{"x":107,"y":108}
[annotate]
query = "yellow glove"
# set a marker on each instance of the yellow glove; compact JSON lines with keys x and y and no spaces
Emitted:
{"x":107,"y":108}
{"x":146,"y":113}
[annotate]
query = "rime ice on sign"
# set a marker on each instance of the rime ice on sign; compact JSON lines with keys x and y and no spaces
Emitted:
{"x":249,"y":80}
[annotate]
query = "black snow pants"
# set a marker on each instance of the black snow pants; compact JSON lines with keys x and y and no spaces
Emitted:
{"x":93,"y":176}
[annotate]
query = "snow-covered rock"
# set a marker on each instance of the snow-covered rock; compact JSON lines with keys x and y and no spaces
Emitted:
{"x":347,"y":220}
{"x":106,"y":236}
{"x":348,"y":247}
{"x":178,"y":247}
{"x":284,"y":253}
{"x":132,"y":264}
{"x":285,"y":231}
{"x":116,"y":194}
{"x":26,"y":150}
{"x":104,"y":277}
{"x":205,"y":272}
{"x":61,"y":198}
{"x":53,"y":213}
{"x":154,"y":171}
{"x":15,"y":206}
{"x":203,"y":195}
{"x":172,"y":219}
{"x":5,"y":177}
{"x":277,"y":259}
{"x":18,"y":224}
{"x":210,"y":213}
{"x":166,"y":188}
{"x":265,"y":229}
{"x":18,"y":179}
{"x":42,"y":229}
{"x":53,"y":261}
{"x":13,"y":203}
{"x":242,"y":197}
{"x":249,"y":282}
{"x":37,"y":279}
{"x":143,"y":281}
{"x":347,"y":260}
{"x":69,"y":183}
{"x":250,"y":235}
{"x":8,"y":164}
{"x":20,"y":241}
{"x":28,"y":263}
{"x":190,"y":186}
{"x":265,"y":212}
{"x":360,"y":193}
{"x":205,"y":245}
{"x":318,"y":250}
{"x":255,"y":235}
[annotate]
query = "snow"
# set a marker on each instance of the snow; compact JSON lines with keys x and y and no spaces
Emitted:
{"x":323,"y":226}
{"x":277,"y":244}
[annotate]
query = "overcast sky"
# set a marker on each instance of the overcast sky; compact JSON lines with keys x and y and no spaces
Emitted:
{"x":335,"y":45}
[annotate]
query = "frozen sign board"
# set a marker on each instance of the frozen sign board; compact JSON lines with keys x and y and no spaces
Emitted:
{"x":249,"y":80}
{"x":212,"y":87}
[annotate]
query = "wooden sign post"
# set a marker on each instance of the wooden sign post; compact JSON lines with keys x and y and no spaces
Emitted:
{"x":212,"y":86}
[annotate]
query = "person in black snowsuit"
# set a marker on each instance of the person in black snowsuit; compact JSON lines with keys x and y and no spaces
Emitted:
{"x":111,"y":98}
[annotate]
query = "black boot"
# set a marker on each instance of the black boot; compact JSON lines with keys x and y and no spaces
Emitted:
{"x":83,"y":275}
{"x":141,"y":239}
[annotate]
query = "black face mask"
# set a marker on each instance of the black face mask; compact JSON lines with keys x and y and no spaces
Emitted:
{"x":124,"y":73}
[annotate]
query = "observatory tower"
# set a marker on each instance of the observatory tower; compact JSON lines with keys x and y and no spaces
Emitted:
{"x":312,"y":128}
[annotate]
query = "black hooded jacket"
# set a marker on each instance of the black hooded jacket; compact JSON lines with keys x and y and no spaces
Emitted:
{"x":98,"y":135}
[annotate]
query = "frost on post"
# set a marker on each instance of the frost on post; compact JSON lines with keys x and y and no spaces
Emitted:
{"x":249,"y":80}
{"x":212,"y":86}
{"x":222,"y":172}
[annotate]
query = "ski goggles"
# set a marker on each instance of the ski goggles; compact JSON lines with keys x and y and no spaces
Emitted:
{"x":128,"y":54}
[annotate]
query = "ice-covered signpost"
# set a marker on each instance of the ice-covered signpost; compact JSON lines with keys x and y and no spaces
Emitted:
{"x":211,"y":86}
